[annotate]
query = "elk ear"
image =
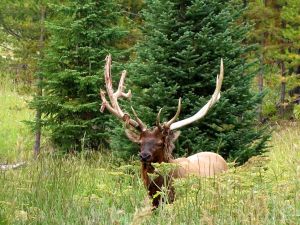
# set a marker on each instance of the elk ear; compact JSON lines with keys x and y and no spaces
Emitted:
{"x":132,"y":136}
{"x":175,"y":136}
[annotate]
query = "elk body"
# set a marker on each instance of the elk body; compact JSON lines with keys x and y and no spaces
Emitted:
{"x":157,"y":144}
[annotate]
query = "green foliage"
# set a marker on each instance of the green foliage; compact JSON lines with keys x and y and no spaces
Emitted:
{"x":296,"y":112}
{"x":101,"y":189}
{"x":290,"y":16}
{"x":276,"y":29}
{"x":269,"y":109}
{"x":20,"y":36}
{"x":180,"y":57}
{"x":82,"y":34}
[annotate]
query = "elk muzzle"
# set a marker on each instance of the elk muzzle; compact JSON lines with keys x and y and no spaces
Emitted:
{"x":145,"y":156}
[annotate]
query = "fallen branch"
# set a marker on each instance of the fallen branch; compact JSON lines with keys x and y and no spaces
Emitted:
{"x":11,"y":166}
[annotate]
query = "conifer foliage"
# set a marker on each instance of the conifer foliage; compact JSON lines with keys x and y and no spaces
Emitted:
{"x":184,"y":41}
{"x":81,"y":36}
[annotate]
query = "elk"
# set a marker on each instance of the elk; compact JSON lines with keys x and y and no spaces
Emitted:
{"x":157,"y":143}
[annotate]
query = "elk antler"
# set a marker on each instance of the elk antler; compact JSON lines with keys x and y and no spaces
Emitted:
{"x":171,"y":121}
{"x":158,"y":124}
{"x":202,"y":112}
{"x":113,"y":106}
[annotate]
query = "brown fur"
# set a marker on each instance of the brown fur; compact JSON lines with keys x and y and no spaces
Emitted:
{"x":155,"y":185}
{"x":159,"y":144}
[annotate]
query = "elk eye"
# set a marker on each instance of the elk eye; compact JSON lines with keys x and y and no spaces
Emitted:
{"x":159,"y":144}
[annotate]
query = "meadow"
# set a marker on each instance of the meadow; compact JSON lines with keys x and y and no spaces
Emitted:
{"x":15,"y":137}
{"x":99,"y":188}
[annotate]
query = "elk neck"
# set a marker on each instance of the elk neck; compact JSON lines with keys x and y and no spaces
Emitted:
{"x":155,"y":185}
{"x":166,"y":157}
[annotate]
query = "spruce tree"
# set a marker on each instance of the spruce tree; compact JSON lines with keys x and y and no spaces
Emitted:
{"x":20,"y":26}
{"x":179,"y":56}
{"x":290,"y":16}
{"x":83,"y":33}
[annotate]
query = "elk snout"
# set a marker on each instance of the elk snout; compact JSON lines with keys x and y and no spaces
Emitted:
{"x":145,"y":156}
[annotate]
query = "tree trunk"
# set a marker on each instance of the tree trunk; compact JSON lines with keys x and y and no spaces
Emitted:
{"x":38,"y":115}
{"x":260,"y":83}
{"x":298,"y":67}
{"x":282,"y":91}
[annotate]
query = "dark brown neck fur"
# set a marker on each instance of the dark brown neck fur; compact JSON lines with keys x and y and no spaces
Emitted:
{"x":155,"y":185}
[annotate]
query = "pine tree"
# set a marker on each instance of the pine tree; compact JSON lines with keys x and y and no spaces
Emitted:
{"x":83,"y":33}
{"x":180,"y":57}
{"x":290,"y":15}
{"x":262,"y":19}
{"x":276,"y":29}
{"x":20,"y":32}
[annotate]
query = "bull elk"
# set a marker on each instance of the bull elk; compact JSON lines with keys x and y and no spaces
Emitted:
{"x":157,"y":144}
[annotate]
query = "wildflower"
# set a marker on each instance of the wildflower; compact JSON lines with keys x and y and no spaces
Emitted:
{"x":21,"y":215}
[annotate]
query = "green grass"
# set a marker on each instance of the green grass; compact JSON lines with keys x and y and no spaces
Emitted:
{"x":15,"y":137}
{"x":99,"y":188}
{"x":70,"y":191}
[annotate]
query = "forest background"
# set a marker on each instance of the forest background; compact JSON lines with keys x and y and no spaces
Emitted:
{"x":52,"y":59}
{"x":56,"y":50}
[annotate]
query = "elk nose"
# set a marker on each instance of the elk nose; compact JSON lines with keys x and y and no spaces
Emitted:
{"x":145,"y":156}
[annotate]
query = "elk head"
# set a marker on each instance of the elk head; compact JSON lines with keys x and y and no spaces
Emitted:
{"x":156,"y":144}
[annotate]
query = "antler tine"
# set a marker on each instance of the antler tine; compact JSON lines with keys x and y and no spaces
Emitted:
{"x":142,"y":126}
{"x":112,"y":105}
{"x":202,"y":112}
{"x":169,"y":123}
{"x":158,"y":124}
{"x":121,"y":87}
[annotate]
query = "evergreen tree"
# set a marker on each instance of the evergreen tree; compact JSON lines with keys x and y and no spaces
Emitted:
{"x":262,"y":17}
{"x":276,"y":29}
{"x":20,"y":32}
{"x":179,"y":56}
{"x":290,"y":15}
{"x":83,"y":33}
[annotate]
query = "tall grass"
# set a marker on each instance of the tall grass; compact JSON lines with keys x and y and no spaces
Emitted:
{"x":98,"y":188}
{"x":70,"y":191}
{"x":15,"y":137}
